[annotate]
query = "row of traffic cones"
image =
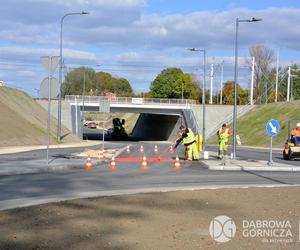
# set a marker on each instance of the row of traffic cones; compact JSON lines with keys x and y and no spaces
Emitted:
{"x":144,"y":164}
{"x":142,"y":151}
{"x":113,"y":166}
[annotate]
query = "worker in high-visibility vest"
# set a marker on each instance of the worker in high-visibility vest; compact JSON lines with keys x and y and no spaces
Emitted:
{"x":188,"y":139}
{"x":223,"y":135}
{"x":295,"y":135}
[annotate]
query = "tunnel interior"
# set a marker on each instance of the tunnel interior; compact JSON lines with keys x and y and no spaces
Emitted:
{"x":156,"y":127}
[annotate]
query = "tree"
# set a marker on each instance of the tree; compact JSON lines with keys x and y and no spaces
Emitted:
{"x":74,"y":81}
{"x":161,"y":87}
{"x":295,"y":83}
{"x":173,"y":83}
{"x":103,"y":82}
{"x":96,"y":83}
{"x":121,"y":87}
{"x":263,"y":80}
{"x":228,"y":94}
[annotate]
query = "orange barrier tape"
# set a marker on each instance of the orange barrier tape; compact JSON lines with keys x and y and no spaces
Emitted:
{"x":155,"y":159}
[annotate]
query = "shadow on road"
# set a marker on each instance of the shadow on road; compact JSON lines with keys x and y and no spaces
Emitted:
{"x":265,"y":177}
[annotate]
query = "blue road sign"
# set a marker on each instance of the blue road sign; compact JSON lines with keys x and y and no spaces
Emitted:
{"x":272,"y":127}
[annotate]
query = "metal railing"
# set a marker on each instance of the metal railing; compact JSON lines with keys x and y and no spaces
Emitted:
{"x":241,"y":111}
{"x":129,"y":100}
{"x":191,"y":120}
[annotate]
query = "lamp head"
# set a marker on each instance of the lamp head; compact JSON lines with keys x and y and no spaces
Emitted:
{"x":255,"y":19}
{"x":85,"y":13}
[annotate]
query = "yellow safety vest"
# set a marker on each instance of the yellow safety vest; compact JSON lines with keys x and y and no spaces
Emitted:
{"x":190,"y":137}
{"x":224,"y":135}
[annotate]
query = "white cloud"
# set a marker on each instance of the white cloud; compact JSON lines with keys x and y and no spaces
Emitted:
{"x":132,"y":44}
{"x":35,"y":53}
{"x":122,"y":24}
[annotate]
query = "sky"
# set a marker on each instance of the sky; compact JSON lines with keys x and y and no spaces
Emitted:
{"x":136,"y":39}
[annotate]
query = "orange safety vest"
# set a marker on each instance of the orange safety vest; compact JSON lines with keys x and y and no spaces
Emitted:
{"x":224,"y":134}
{"x":295,"y":132}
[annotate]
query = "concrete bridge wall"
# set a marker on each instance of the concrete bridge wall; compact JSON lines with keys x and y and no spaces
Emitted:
{"x":167,"y":115}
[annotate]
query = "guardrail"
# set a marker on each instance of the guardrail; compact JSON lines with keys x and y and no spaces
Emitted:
{"x":240,"y":112}
{"x":128,"y":100}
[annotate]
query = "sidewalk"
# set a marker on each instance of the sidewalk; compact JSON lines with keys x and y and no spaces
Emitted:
{"x":213,"y":163}
{"x":250,"y":147}
{"x":20,"y":149}
{"x":73,"y":161}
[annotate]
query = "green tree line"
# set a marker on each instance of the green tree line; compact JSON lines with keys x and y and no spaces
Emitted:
{"x":87,"y":80}
{"x":174,"y":83}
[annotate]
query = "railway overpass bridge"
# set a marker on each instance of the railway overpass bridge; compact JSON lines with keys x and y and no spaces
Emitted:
{"x":160,"y":115}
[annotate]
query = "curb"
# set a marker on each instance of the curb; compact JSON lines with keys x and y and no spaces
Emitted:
{"x":57,"y":168}
{"x":254,"y":168}
{"x":270,"y":169}
{"x":31,"y":201}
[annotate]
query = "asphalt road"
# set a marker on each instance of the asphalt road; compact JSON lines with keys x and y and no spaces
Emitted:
{"x":24,"y":189}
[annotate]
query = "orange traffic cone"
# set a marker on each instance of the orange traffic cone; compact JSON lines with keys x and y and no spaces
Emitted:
{"x":171,"y":149}
{"x":113,"y":164}
{"x":144,"y":163}
{"x":88,"y":164}
{"x":177,"y":164}
{"x":128,"y":149}
{"x":155,"y":149}
{"x":100,"y":155}
{"x":142,"y":149}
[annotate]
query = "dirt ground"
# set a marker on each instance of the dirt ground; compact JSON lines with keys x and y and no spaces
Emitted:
{"x":173,"y":220}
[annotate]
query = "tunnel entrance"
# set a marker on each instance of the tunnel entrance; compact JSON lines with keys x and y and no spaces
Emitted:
{"x":156,"y":127}
{"x":146,"y":127}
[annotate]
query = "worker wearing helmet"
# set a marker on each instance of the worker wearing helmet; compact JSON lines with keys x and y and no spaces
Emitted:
{"x":295,"y":135}
{"x":223,"y":135}
{"x":188,"y":139}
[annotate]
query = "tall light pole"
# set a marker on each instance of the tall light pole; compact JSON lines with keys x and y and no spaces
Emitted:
{"x":221,"y":82}
{"x":236,"y":76}
{"x":252,"y":80}
{"x":277,"y":74}
{"x":211,"y":83}
{"x":60,"y":70}
{"x":288,"y":84}
{"x":203,"y":92}
{"x":181,"y":90}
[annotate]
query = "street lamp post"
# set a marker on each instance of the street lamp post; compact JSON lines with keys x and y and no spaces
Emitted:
{"x":203,"y":92}
{"x":60,"y":71}
{"x":181,"y":90}
{"x":236,"y":76}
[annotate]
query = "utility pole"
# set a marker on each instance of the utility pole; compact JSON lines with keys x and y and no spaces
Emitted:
{"x":83,"y":99}
{"x":277,"y":73}
{"x":266,"y":94}
{"x":288,"y":84}
{"x":222,"y":74}
{"x":252,"y":80}
{"x":211,"y":83}
{"x":292,"y":86}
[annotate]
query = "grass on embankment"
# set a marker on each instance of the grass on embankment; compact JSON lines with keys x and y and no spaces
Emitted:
{"x":252,"y":126}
